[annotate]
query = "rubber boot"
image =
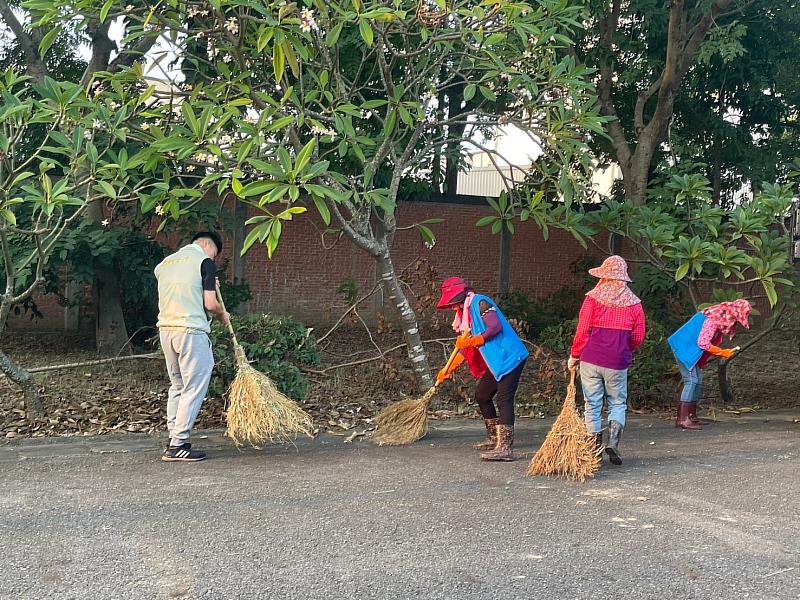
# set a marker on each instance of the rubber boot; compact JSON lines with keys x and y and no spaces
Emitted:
{"x":505,"y":444}
{"x":683,"y":420}
{"x":693,"y":415}
{"x":491,"y":435}
{"x":612,"y":448}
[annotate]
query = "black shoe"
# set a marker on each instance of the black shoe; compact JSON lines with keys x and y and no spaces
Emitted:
{"x":183,"y":453}
{"x":169,"y":441}
{"x":612,"y":449}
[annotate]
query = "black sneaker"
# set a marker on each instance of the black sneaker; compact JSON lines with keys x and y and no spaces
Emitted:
{"x":169,"y":442}
{"x":183,"y":453}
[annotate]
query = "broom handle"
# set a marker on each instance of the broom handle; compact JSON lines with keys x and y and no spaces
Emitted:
{"x":230,"y":326}
{"x":572,"y":377}
{"x":449,"y":362}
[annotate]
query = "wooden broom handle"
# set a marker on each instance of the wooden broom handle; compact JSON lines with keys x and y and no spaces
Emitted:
{"x":230,"y":326}
{"x":449,"y":362}
{"x":572,"y":377}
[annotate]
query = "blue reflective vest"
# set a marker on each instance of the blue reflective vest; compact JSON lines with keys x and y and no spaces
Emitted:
{"x":504,"y":352}
{"x":684,"y":341}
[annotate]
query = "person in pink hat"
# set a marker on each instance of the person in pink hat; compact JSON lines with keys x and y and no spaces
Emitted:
{"x":495,"y":356}
{"x":611,"y":326}
{"x":695,"y":343}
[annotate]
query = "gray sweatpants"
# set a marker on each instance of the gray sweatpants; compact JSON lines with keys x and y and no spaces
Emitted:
{"x":189,"y":364}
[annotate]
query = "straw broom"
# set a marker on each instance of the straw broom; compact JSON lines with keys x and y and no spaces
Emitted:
{"x":406,"y":421}
{"x":257,"y":411}
{"x":569,"y":450}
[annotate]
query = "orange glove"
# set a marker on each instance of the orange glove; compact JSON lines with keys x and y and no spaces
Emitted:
{"x":472,"y":341}
{"x":722,"y":353}
{"x":445,"y":373}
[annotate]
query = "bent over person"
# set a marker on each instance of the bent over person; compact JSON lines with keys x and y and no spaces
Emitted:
{"x":186,"y":294}
{"x":695,"y":343}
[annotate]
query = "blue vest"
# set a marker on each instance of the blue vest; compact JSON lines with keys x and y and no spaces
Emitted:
{"x":684,"y":341}
{"x":504,"y":352}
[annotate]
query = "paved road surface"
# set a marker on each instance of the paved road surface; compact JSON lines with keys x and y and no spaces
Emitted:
{"x":714,"y":514}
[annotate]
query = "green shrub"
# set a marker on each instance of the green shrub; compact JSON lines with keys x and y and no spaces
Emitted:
{"x":276,"y":346}
{"x":651,"y":361}
{"x":536,"y":314}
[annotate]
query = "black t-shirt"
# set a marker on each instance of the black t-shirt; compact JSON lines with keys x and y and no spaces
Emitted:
{"x":208,"y":273}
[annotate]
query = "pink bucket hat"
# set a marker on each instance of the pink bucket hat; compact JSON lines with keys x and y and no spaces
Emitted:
{"x":614,"y":267}
{"x":451,"y":288}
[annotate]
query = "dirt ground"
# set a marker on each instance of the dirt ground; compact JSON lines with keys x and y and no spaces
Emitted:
{"x":130,"y":396}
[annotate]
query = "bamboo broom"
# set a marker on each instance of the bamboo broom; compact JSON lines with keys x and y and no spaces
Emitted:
{"x":569,"y":450}
{"x":406,"y":421}
{"x":257,"y":411}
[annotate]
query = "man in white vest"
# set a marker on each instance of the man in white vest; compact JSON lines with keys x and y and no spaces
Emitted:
{"x":186,"y":296}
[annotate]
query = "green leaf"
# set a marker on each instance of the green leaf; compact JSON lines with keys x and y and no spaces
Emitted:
{"x":322,"y":208}
{"x":20,"y":178}
{"x":391,"y":121}
{"x":190,"y":118}
{"x":9,"y":216}
{"x":255,"y":234}
{"x":257,"y":188}
{"x":366,"y":32}
{"x":333,"y":34}
{"x":370,"y":104}
{"x":682,"y":271}
{"x":104,"y":11}
{"x":108,"y":189}
{"x":47,"y":41}
{"x":237,"y":187}
{"x":280,"y":123}
{"x":469,"y":92}
{"x":278,"y":62}
{"x":427,"y":235}
{"x":484,"y":221}
{"x":304,"y":156}
{"x":487,"y":93}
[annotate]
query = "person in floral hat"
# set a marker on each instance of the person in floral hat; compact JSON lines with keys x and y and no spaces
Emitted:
{"x":495,"y":356}
{"x":611,"y":326}
{"x":693,"y":346}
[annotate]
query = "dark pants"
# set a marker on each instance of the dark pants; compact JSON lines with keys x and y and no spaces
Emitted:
{"x":502,"y":392}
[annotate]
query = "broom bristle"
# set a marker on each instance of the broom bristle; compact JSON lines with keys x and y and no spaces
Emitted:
{"x":569,"y":450}
{"x":258,"y":412}
{"x":403,"y":422}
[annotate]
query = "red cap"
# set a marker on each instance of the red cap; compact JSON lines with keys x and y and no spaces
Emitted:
{"x":451,"y":288}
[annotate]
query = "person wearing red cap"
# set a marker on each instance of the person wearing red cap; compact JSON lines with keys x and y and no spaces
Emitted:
{"x":695,"y":343}
{"x":496,"y":357}
{"x":611,"y":326}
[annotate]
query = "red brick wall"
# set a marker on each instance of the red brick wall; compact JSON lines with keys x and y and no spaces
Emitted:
{"x":302,"y":277}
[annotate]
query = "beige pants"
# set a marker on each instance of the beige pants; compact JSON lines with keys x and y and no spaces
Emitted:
{"x":189,"y":364}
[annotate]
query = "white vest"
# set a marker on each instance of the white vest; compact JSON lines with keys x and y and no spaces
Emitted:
{"x":180,"y":291}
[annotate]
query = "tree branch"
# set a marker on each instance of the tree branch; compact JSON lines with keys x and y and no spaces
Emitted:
{"x":35,"y":66}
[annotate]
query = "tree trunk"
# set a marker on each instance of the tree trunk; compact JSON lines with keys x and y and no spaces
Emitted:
{"x":34,"y":407}
{"x":725,"y":386}
{"x":635,"y":176}
{"x":239,"y":261}
{"x":408,"y":319}
{"x":505,"y":261}
{"x":455,"y":133}
{"x":111,"y":335}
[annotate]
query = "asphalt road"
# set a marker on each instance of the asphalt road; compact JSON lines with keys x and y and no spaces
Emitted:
{"x":712,"y":514}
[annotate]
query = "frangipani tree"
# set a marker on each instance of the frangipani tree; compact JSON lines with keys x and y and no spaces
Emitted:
{"x":330,"y":105}
{"x":87,"y":155}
